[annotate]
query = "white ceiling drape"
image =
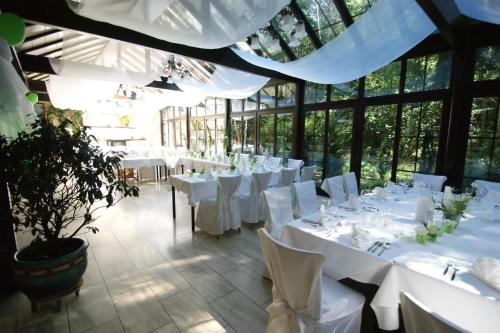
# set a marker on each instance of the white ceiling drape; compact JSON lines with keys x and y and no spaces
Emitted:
{"x":386,"y":31}
{"x":482,"y":10}
{"x":206,"y":24}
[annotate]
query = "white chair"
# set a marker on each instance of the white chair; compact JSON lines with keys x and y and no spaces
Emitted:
{"x":435,"y":183}
{"x":482,"y":187}
{"x":418,"y":318}
{"x":307,"y":173}
{"x":272,"y":162}
{"x":350,"y":184}
{"x":222,"y":214}
{"x":297,"y":165}
{"x":286,"y":177}
{"x":243,"y":161}
{"x":306,"y":200}
{"x":335,"y":188}
{"x":260,"y":159}
{"x":279,"y":209}
{"x":305,"y":300}
{"x":251,"y":204}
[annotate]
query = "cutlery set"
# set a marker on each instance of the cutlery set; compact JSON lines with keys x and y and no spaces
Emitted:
{"x":379,"y":245}
{"x":454,"y":267}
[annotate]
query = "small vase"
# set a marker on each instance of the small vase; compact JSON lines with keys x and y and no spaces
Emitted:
{"x":420,"y":239}
{"x":431,"y":237}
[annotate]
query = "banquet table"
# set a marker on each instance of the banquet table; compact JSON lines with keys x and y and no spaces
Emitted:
{"x":407,"y":265}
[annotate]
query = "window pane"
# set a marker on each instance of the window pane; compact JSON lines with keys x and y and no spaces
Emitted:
{"x":284,"y":135}
{"x":249,"y":135}
{"x":266,"y":135}
{"x":183,"y":134}
{"x":286,"y":95}
{"x":484,"y":115}
{"x":487,"y":66}
{"x":221,"y":132}
{"x":314,"y":141}
{"x":378,"y":138}
{"x":384,"y":81}
{"x":478,"y":158}
{"x":236,"y":105}
{"x":428,"y":73}
{"x":236,"y":130}
{"x":339,"y":142}
{"x":221,"y":105}
{"x":210,"y":106}
{"x":251,"y":103}
{"x":171,"y":132}
{"x":348,"y":90}
{"x":315,"y":93}
{"x":358,"y":7}
{"x":268,"y":98}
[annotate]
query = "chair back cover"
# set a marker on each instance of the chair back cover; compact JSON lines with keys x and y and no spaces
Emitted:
{"x":307,"y":173}
{"x":260,"y":159}
{"x":287,"y":176}
{"x":279,"y":209}
{"x":272,"y":162}
{"x":306,"y":201}
{"x":351,"y":184}
{"x":482,"y":187}
{"x":297,"y":280}
{"x":417,"y":318}
{"x":251,"y":203}
{"x":336,"y":191}
{"x":228,"y":199}
{"x":243,"y":161}
{"x":297,"y":165}
{"x":433,"y":182}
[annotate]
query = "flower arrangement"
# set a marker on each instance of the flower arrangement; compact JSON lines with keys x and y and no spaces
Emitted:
{"x":454,"y":208}
{"x":232,"y":162}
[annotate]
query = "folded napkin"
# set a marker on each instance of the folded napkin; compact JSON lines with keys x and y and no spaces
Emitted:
{"x":353,"y":202}
{"x":379,"y":193}
{"x":488,"y":270}
{"x":424,"y":211}
{"x":358,"y":235}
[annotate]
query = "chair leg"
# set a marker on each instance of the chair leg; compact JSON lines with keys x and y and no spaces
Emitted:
{"x":239,"y":230}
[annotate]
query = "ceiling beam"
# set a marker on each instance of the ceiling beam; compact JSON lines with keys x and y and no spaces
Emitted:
{"x":343,"y":12}
{"x":41,"y":35}
{"x":41,"y":46}
{"x":284,"y":46}
{"x":435,"y":15}
{"x":299,"y":14}
{"x":56,"y":13}
{"x":42,"y":65}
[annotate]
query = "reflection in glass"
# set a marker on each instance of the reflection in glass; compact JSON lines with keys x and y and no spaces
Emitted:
{"x":428,"y":73}
{"x":268,"y":98}
{"x":487,"y":63}
{"x":338,"y":153}
{"x":314,"y":141}
{"x":266,"y":135}
{"x":342,"y":91}
{"x":315,"y":93}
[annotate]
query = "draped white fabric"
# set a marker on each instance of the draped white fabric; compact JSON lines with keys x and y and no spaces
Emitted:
{"x":382,"y":34}
{"x":225,"y":83}
{"x":307,"y":173}
{"x":334,"y":186}
{"x":306,"y":201}
{"x":350,"y":184}
{"x":279,"y":209}
{"x":206,"y":24}
{"x":433,"y":182}
{"x":287,"y":176}
{"x":15,"y":110}
{"x":252,"y":206}
{"x":482,"y":10}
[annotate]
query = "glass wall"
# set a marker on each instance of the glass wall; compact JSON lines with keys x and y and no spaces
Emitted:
{"x":315,"y":141}
{"x":284,"y":135}
{"x":266,"y":135}
{"x":338,"y":152}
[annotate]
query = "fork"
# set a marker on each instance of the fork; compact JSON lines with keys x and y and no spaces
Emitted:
{"x":376,"y":244}
{"x":455,"y":270}
{"x":448,"y":265}
{"x":384,"y":247}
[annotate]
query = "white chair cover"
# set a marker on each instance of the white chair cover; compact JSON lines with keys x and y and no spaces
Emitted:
{"x":417,"y":318}
{"x":433,"y":182}
{"x":482,"y":187}
{"x":307,"y":173}
{"x":286,"y":177}
{"x":279,"y":209}
{"x":351,"y":184}
{"x":243,"y":161}
{"x":303,"y":299}
{"x":297,"y":165}
{"x":215,"y":217}
{"x":260,"y":159}
{"x":306,"y":201}
{"x":335,"y":188}
{"x":251,"y":204}
{"x":272,"y":162}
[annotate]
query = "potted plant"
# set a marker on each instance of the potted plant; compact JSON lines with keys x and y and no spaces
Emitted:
{"x":57,"y":180}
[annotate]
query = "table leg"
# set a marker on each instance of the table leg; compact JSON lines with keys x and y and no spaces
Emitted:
{"x":192,"y":218}
{"x":173,"y":202}
{"x":182,"y":169}
{"x":167,"y":171}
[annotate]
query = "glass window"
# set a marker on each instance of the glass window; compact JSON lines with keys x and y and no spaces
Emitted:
{"x":266,"y":135}
{"x":236,"y":134}
{"x":304,"y":48}
{"x":236,"y":105}
{"x":266,"y":44}
{"x":210,"y":106}
{"x":284,"y":135}
{"x":378,"y":139}
{"x":211,"y":137}
{"x":171,"y":134}
{"x":483,"y":148}
{"x":384,"y":81}
{"x":181,"y":112}
{"x":358,"y":7}
{"x":219,"y":135}
{"x":251,"y":103}
{"x":487,"y":63}
{"x":314,"y":141}
{"x":418,"y":147}
{"x":315,"y":93}
{"x":323,"y":18}
{"x":268,"y":98}
{"x":221,"y":105}
{"x":286,"y":95}
{"x":342,"y":91}
{"x":428,"y":73}
{"x":193,"y":135}
{"x":249,"y":135}
{"x":338,"y":155}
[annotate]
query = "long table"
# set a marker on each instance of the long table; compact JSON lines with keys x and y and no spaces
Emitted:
{"x":407,"y":265}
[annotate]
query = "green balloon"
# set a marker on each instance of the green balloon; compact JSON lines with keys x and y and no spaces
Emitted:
{"x":32,"y":97}
{"x":12,"y":28}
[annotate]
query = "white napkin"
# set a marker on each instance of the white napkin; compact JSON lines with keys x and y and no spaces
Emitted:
{"x":487,"y":270}
{"x":353,"y":202}
{"x":424,"y":211}
{"x":379,"y":193}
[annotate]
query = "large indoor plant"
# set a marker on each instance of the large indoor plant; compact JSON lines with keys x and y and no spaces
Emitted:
{"x":57,"y":179}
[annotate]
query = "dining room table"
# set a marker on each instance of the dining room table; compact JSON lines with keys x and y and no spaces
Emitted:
{"x":376,"y":244}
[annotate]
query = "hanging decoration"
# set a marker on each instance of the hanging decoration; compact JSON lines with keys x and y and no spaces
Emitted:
{"x":12,"y":28}
{"x":174,"y":69}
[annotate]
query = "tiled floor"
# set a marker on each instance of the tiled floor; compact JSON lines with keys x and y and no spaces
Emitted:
{"x":149,"y":274}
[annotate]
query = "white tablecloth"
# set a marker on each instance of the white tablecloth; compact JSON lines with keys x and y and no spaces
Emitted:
{"x":409,"y":266}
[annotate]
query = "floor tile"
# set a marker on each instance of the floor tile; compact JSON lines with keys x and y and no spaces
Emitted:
{"x":113,"y":326}
{"x":209,"y":284}
{"x":250,"y":283}
{"x":164,"y":280}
